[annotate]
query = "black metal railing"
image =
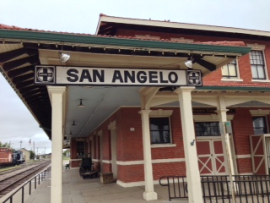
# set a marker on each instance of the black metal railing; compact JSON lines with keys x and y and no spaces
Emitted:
{"x":177,"y":186}
{"x":36,"y":181}
{"x":224,"y":189}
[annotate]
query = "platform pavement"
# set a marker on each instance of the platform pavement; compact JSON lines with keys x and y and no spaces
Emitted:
{"x":78,"y":190}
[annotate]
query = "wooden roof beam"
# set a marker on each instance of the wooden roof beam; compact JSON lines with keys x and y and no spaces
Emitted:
{"x":6,"y":56}
{"x":30,"y":89}
{"x":17,"y":72}
{"x":33,"y":93}
{"x":22,"y":78}
{"x":205,"y":64}
{"x":24,"y":84}
{"x":14,"y":64}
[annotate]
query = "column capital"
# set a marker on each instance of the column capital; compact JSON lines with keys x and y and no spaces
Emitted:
{"x":222,"y":110}
{"x":184,"y":89}
{"x":145,"y":111}
{"x":56,"y":89}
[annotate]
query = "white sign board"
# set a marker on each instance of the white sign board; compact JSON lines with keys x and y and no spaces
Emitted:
{"x":62,"y":75}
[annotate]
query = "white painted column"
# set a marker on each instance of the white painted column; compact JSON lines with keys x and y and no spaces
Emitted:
{"x":192,"y":167}
{"x":222,"y":115}
{"x":57,"y":98}
{"x":149,"y":193}
{"x":221,"y":110}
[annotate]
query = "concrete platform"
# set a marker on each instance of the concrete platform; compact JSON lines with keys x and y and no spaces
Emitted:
{"x":78,"y":190}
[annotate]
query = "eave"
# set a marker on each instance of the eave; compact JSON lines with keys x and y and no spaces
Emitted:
{"x":117,"y":42}
{"x":111,"y":20}
{"x":17,"y":64}
{"x":233,"y":88}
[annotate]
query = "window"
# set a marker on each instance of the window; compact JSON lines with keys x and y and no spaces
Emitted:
{"x":160,"y":130}
{"x":259,"y":125}
{"x":230,"y":70}
{"x":80,"y":149}
{"x":207,"y":129}
{"x":257,"y":65}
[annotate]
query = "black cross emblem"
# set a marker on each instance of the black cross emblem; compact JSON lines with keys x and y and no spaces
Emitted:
{"x":44,"y":74}
{"x":194,"y":78}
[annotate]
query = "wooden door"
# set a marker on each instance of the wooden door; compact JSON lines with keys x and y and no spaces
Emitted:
{"x":211,"y":157}
{"x":205,"y":157}
{"x":218,"y":157}
{"x":257,"y":154}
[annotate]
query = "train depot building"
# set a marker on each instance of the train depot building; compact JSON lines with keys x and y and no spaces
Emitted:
{"x":127,"y":97}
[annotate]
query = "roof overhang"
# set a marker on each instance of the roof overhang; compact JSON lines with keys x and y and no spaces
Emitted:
{"x":176,"y":25}
{"x":21,"y":50}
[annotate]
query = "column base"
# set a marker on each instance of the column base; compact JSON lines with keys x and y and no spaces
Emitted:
{"x":148,"y":196}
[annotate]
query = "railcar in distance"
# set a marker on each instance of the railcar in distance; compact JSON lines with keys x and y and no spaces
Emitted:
{"x":18,"y":157}
{"x":5,"y":156}
{"x":10,"y":158}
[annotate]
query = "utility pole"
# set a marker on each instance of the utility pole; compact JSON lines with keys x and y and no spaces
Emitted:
{"x":20,"y":144}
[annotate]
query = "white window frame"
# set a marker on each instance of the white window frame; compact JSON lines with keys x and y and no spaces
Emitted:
{"x":266,"y":123}
{"x":261,"y":113}
{"x":160,"y":113}
{"x":259,"y":47}
{"x":237,"y":78}
{"x":209,"y":136}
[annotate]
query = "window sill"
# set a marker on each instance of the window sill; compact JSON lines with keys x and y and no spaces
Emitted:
{"x":260,"y":80}
{"x":162,"y":145}
{"x":232,"y":79}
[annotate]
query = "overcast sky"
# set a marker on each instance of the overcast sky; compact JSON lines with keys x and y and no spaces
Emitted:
{"x":81,"y":16}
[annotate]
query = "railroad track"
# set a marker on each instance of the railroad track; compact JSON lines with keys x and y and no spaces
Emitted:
{"x":19,"y":167}
{"x":13,"y":180}
{"x":13,"y":166}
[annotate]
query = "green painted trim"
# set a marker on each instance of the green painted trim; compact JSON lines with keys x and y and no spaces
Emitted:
{"x":267,"y":89}
{"x":111,"y":41}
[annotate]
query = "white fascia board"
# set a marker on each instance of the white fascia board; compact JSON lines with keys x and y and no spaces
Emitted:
{"x":183,"y":26}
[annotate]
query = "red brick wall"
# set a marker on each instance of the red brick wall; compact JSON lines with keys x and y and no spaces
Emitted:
{"x":132,"y":139}
{"x":129,"y":144}
{"x":73,"y":149}
{"x":106,"y":144}
{"x":94,"y":156}
{"x":244,"y":165}
{"x":242,"y":129}
{"x":86,"y":148}
{"x":214,"y":78}
{"x":130,"y":173}
{"x":90,"y":147}
{"x":107,"y":168}
{"x":135,"y":173}
{"x":75,"y":163}
{"x":169,"y":169}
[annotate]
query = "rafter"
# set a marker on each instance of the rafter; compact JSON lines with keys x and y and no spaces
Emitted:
{"x":26,"y":88}
{"x":23,"y":78}
{"x":40,"y":108}
{"x":34,"y":93}
{"x":35,"y":101}
{"x":24,"y":84}
{"x":17,"y":72}
{"x":14,"y":64}
{"x":205,"y":64}
{"x":29,"y":89}
{"x":6,"y":56}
